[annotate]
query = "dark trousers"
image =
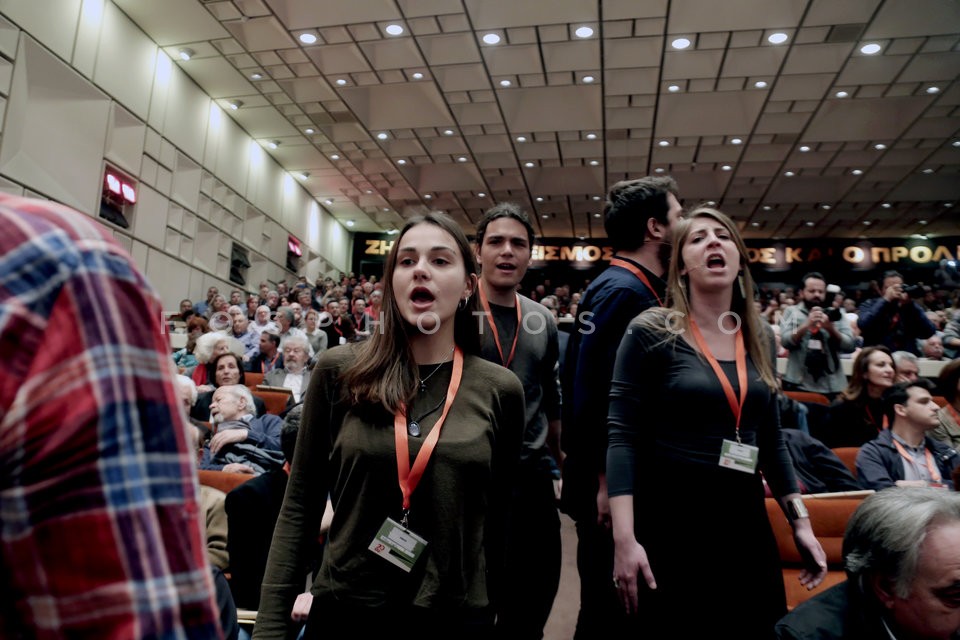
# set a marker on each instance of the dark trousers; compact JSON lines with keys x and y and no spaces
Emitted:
{"x":601,"y":613}
{"x":331,"y":618}
{"x":533,"y":559}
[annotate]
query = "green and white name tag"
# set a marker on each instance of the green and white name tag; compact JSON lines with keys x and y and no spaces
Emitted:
{"x":742,"y":457}
{"x":398,"y":545}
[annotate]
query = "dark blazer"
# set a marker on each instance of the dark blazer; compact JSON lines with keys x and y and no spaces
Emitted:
{"x":879,"y":464}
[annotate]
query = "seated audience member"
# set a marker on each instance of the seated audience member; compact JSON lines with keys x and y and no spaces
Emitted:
{"x":273,"y":300}
{"x":906,"y":366}
{"x":901,"y":553}
{"x":209,"y":346}
{"x":215,"y":520}
{"x":818,"y":468}
{"x":269,"y":357}
{"x":186,"y":358}
{"x":243,"y":443}
{"x":247,"y":336}
{"x":906,"y":454}
{"x":203,"y":306}
{"x":227,"y":369}
{"x":932,"y":347}
{"x":253,"y":303}
{"x":316,"y":335}
{"x":261,"y":321}
{"x":951,"y":337}
{"x":948,"y":431}
{"x":252,"y":511}
{"x":285,"y":320}
{"x":294,"y":375}
{"x":857,"y":415}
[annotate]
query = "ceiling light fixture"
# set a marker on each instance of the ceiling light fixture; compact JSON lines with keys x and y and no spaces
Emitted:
{"x":309,"y":131}
{"x":886,"y":205}
{"x":867,"y":223}
{"x":933,"y":90}
{"x":777,"y":38}
{"x":307,"y":38}
{"x":594,"y":163}
{"x":427,"y":196}
{"x":481,"y":195}
{"x":680,"y":43}
{"x":673,"y":88}
{"x":235,"y":104}
{"x":767,"y":207}
{"x":760,"y":84}
{"x":328,"y":201}
{"x":401,"y":161}
{"x":810,"y":223}
{"x":583,"y":32}
{"x":857,"y":172}
{"x":186,"y":53}
{"x":870,"y":48}
{"x":588,"y":79}
{"x":539,"y":198}
{"x":529,"y":165}
{"x":789,"y":174}
{"x":659,"y":170}
{"x":736,"y":141}
{"x":928,"y":171}
{"x":382,"y":136}
{"x":825,"y":207}
{"x":448,"y":132}
{"x":394,"y":29}
{"x":417,"y":75}
{"x":711,"y":203}
{"x":591,"y":136}
{"x":545,"y":216}
{"x":505,"y":83}
{"x":596,"y":197}
{"x":664,"y":143}
{"x":921,"y":222}
{"x":804,"y":149}
{"x":335,"y":157}
{"x":304,"y":175}
{"x":462,"y":159}
{"x":956,"y":143}
{"x":879,"y":146}
{"x":491,"y":38}
{"x":369,"y":192}
{"x":341,"y":81}
{"x":726,"y":167}
{"x":350,"y":223}
{"x":841,"y":94}
{"x":273,"y":144}
{"x":754,"y":224}
{"x":596,"y":215}
{"x":256,"y":75}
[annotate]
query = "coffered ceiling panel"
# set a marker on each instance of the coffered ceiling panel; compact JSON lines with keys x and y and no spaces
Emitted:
{"x":769,"y":108}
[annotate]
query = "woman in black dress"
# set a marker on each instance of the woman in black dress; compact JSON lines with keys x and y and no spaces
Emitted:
{"x":692,"y":422}
{"x":856,"y":417}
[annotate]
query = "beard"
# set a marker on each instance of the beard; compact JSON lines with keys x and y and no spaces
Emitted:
{"x":815,"y":302}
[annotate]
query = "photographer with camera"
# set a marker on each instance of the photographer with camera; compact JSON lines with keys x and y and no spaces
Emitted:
{"x":815,"y":334}
{"x":895,"y":320}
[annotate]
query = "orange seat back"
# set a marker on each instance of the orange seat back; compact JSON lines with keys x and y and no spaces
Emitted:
{"x":808,"y":396}
{"x":252,"y":379}
{"x":222,"y":480}
{"x":275,"y":401}
{"x":848,"y":455}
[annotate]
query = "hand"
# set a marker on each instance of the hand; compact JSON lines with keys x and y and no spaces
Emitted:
{"x":603,"y":504}
{"x":223,"y":438}
{"x":629,"y":561}
{"x":813,"y":555}
{"x":204,"y":388}
{"x":893,"y":292}
{"x":237,"y":467}
{"x":301,"y":607}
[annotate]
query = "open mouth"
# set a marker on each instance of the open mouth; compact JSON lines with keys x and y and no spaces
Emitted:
{"x":506,"y":266}
{"x":716,"y":261}
{"x":421,"y":295}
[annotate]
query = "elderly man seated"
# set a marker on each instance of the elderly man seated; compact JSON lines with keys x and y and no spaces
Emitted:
{"x":294,"y":375}
{"x":242,"y":442}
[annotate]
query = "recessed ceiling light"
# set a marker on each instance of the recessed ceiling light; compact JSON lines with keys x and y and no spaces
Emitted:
{"x":417,"y":75}
{"x":521,"y":138}
{"x":810,"y":223}
{"x":481,"y":195}
{"x":658,"y":170}
{"x":328,"y":201}
{"x":928,"y":170}
{"x":760,"y":84}
{"x":583,"y":32}
{"x":711,"y":203}
{"x":726,"y":167}
{"x":867,"y":223}
{"x":767,"y":207}
{"x":841,"y":94}
{"x":804,"y":149}
{"x":879,"y":146}
{"x":186,"y":53}
{"x":448,"y":132}
{"x":588,"y":79}
{"x":341,"y":81}
{"x":505,"y":83}
{"x":673,"y":88}
{"x":956,"y":143}
{"x":932,"y":90}
{"x":307,"y":38}
{"x":754,"y":224}
{"x":235,"y":104}
{"x":680,"y":43}
{"x":528,"y":164}
{"x":394,"y":29}
{"x":545,"y":216}
{"x":594,"y":163}
{"x":777,"y":38}
{"x":539,"y":198}
{"x":857,"y":172}
{"x":789,"y":174}
{"x":664,"y":143}
{"x":386,"y":208}
{"x":825,"y":207}
{"x":369,"y":192}
{"x":596,"y":197}
{"x":335,"y":157}
{"x":256,"y":75}
{"x":462,"y":159}
{"x":304,"y":175}
{"x":350,"y":223}
{"x":736,"y":141}
{"x":948,"y":204}
{"x":921,"y":222}
{"x":491,"y":38}
{"x":273,"y":144}
{"x":427,"y":196}
{"x":401,"y":161}
{"x":382,"y":136}
{"x":309,"y":131}
{"x":591,"y":136}
{"x":596,"y":215}
{"x":870,"y":48}
{"x":886,"y":205}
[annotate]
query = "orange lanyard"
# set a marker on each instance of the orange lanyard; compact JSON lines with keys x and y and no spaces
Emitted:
{"x":263,"y":364}
{"x":493,"y":325}
{"x":932,"y":468}
{"x":884,"y":423}
{"x":410,"y":477}
{"x":741,"y":359}
{"x":632,"y":268}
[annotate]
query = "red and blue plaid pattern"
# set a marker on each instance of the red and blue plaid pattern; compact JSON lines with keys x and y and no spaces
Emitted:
{"x":99,"y":528}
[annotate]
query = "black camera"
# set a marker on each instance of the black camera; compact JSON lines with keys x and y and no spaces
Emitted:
{"x":833,"y":314}
{"x":914,"y":290}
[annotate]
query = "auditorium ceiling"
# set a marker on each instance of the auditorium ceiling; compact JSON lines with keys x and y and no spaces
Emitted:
{"x":775,"y":110}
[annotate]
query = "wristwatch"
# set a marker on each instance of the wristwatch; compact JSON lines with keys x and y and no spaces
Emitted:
{"x":797,"y":509}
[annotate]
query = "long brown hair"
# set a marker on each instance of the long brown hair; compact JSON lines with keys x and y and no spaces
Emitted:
{"x":669,"y":320}
{"x":385,"y":371}
{"x":858,"y":378}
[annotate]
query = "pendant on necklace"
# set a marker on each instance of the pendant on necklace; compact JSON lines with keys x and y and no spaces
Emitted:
{"x":413,"y":428}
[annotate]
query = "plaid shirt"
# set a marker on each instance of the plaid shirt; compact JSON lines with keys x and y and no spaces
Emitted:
{"x":99,"y":529}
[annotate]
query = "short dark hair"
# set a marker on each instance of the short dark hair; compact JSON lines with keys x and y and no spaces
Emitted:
{"x":949,"y":378}
{"x":272,"y":337}
{"x":813,"y":274}
{"x":505,"y":210}
{"x":891,"y":274}
{"x":630,"y":203}
{"x":900,"y":393}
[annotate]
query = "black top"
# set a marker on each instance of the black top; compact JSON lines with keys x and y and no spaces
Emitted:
{"x":852,"y":423}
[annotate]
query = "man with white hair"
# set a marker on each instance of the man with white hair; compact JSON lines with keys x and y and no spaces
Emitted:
{"x":242,"y":442}
{"x":294,"y":375}
{"x":261,"y":320}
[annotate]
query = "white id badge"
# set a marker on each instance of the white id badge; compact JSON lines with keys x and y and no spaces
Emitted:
{"x":741,"y":457}
{"x":397,"y":545}
{"x":815,"y":344}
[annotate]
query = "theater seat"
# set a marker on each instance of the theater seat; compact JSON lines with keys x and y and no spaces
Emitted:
{"x":222,"y":480}
{"x":829,"y":520}
{"x":252,"y":379}
{"x":848,"y":455}
{"x":808,"y":396}
{"x":941,"y":401}
{"x":276,"y":401}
